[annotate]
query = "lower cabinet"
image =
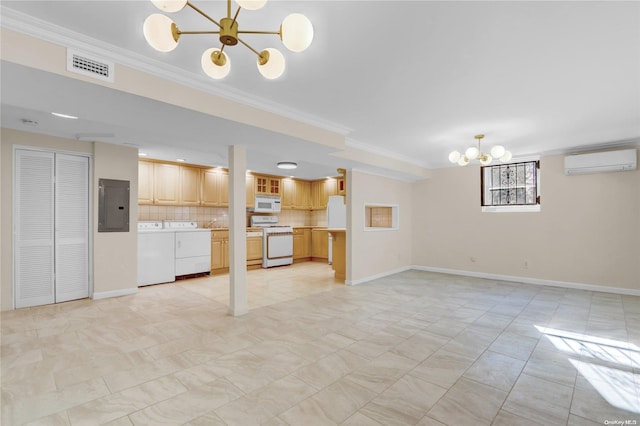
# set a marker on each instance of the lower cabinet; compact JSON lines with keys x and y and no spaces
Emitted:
{"x":301,"y":244}
{"x":254,"y":252}
{"x":219,"y":251}
{"x":320,"y":244}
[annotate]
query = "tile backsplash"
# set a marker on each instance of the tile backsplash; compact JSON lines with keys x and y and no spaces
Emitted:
{"x":218,"y":217}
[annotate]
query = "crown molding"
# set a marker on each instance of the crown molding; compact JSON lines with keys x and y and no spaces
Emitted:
{"x":26,"y":24}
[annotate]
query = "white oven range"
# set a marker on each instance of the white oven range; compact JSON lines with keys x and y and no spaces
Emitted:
{"x":277,"y":241}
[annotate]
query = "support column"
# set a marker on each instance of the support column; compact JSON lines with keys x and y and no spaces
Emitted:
{"x":237,"y":231}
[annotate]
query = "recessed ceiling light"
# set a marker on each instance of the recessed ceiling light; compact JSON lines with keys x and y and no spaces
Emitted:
{"x":180,"y":160}
{"x":142,"y":154}
{"x":288,"y":165}
{"x":57,"y":114}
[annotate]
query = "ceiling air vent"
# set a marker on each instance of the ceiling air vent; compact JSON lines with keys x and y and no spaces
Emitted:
{"x":84,"y":64}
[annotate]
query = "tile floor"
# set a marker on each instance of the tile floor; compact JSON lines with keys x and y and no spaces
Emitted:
{"x":416,"y":348}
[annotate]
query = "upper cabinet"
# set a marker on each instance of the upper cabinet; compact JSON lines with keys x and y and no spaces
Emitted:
{"x":215,"y":188}
{"x":268,"y":185}
{"x":342,"y":186}
{"x":189,"y":186}
{"x":251,"y":191}
{"x":296,"y":194}
{"x":165,"y":183}
{"x":321,"y":190}
{"x":145,"y":182}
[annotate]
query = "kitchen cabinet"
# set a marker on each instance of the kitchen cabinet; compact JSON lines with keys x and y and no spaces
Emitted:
{"x":301,"y":244}
{"x":254,"y":252}
{"x":295,"y":194}
{"x":219,"y":251}
{"x":145,"y":182}
{"x":215,"y":188}
{"x":319,"y":244}
{"x":251,"y":191}
{"x":189,"y":186}
{"x":321,"y":190}
{"x":268,"y":185}
{"x":342,"y":186}
{"x":166,"y":184}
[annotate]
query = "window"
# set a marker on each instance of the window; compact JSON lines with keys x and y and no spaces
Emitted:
{"x":506,"y":186}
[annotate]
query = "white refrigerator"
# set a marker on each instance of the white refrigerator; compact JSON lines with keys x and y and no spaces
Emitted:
{"x":336,"y":217}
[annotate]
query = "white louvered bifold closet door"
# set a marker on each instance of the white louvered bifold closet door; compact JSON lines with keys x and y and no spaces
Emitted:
{"x":71,"y":227}
{"x":33,"y":227}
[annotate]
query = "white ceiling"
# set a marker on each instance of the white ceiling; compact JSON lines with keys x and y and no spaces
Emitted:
{"x":411,"y":80}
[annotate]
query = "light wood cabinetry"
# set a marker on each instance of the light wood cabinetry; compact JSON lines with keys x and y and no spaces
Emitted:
{"x":295,"y":194}
{"x":268,"y":185}
{"x":254,"y":252}
{"x":189,"y":186}
{"x":342,"y":186}
{"x":215,"y":188}
{"x":166,"y":184}
{"x":339,"y":263}
{"x":319,"y":244}
{"x":145,"y":182}
{"x":321,"y":190}
{"x":251,"y":191}
{"x":301,"y":244}
{"x":219,"y":251}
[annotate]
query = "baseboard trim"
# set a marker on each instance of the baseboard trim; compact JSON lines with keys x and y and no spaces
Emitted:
{"x":114,"y":293}
{"x":376,"y":276}
{"x":528,"y":280}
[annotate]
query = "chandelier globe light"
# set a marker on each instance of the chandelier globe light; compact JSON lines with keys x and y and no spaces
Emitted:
{"x":475,"y":153}
{"x":162,"y":34}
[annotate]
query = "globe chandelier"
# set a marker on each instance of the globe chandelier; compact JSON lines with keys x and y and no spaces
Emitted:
{"x":296,"y":33}
{"x":474,"y":153}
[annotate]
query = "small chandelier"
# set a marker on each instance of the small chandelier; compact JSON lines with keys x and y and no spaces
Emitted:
{"x":296,"y":33}
{"x":474,"y":153}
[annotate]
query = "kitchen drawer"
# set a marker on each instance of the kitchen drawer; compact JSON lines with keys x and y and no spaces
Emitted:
{"x":216,"y":235}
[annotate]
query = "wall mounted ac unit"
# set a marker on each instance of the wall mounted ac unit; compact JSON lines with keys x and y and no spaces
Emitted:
{"x":600,"y":162}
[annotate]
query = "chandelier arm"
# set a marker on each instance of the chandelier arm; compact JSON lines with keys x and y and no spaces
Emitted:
{"x":259,"y":32}
{"x":235,"y":17}
{"x":249,"y":47}
{"x":198,"y":32}
{"x":204,"y":14}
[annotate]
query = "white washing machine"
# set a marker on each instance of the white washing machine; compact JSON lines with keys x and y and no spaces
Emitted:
{"x":156,"y":254}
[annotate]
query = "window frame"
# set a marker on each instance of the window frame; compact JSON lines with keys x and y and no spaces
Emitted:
{"x":395,"y":217}
{"x":527,"y":207}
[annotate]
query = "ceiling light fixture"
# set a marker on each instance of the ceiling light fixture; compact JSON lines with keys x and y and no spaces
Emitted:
{"x":296,"y":33}
{"x":474,"y":153}
{"x":287,"y":165}
{"x":57,"y":114}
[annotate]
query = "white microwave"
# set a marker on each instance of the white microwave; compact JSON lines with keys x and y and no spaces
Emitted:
{"x":267,"y":204}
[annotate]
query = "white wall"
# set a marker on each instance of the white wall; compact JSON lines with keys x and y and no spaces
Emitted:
{"x":587,"y":232}
{"x":114,"y":255}
{"x":375,"y":253}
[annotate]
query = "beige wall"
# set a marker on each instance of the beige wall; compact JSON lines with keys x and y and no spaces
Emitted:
{"x":587,"y":232}
{"x":375,"y":253}
{"x":114,"y":256}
